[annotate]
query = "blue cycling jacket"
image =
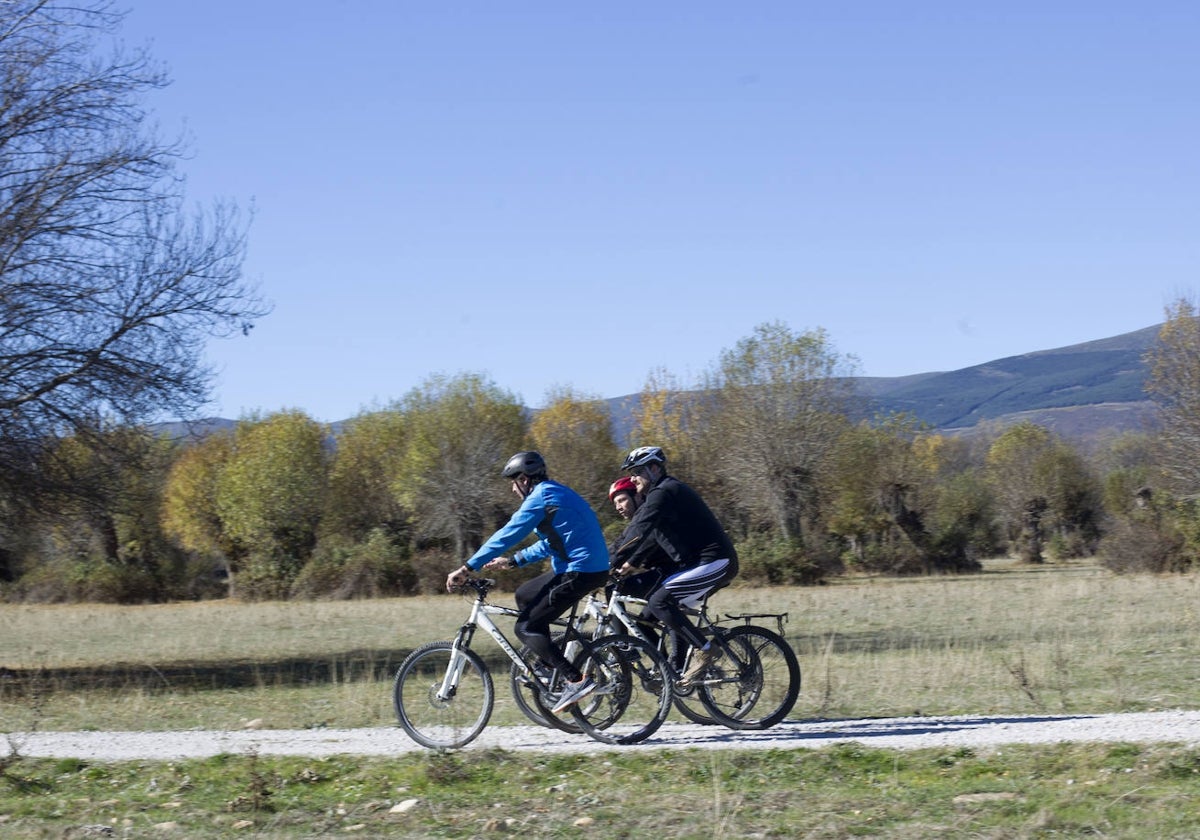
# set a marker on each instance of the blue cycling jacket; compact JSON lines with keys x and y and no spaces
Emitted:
{"x":570,"y":533}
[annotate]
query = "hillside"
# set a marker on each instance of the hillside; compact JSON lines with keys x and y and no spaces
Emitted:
{"x":1105,"y":372}
{"x":1087,"y":392}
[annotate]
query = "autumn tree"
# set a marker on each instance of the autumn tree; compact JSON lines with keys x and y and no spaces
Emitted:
{"x":109,"y":290}
{"x":1150,"y":527}
{"x":574,"y":435}
{"x":190,"y":514}
{"x":964,"y":509}
{"x":1012,"y":463}
{"x":894,"y":498}
{"x":1156,"y":503}
{"x":1043,"y":489}
{"x":364,"y":543}
{"x":270,"y":495}
{"x":664,"y":416}
{"x":855,"y":511}
{"x":102,"y":541}
{"x":780,"y":403}
{"x":368,"y":461}
{"x":460,"y":432}
{"x":1074,"y":496}
{"x":1130,"y":473}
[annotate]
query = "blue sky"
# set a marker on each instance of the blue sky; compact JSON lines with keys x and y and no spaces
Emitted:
{"x":564,"y":194}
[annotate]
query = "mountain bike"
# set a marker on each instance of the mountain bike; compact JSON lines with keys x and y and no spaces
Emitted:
{"x":753,"y":686}
{"x":444,"y":693}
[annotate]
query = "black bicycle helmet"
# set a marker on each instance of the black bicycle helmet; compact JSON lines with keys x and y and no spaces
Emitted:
{"x":525,"y":463}
{"x":644,"y":455}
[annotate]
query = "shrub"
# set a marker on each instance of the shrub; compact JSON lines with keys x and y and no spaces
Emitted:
{"x":70,"y":581}
{"x":373,"y":568}
{"x":431,"y":567}
{"x":1137,"y":545}
{"x":893,"y":556}
{"x":763,"y":558}
{"x":263,"y":577}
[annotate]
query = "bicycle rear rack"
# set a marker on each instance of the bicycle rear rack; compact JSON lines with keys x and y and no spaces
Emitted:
{"x":748,"y":618}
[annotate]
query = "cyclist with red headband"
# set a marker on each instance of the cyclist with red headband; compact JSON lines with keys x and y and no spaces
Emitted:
{"x":656,"y":565}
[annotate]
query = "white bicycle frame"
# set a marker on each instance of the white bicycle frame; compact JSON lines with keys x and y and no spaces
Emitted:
{"x":616,"y":610}
{"x":481,"y":617}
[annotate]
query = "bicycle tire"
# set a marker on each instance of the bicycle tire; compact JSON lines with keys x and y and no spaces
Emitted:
{"x":526,"y":696}
{"x":442,"y":723}
{"x":766,"y":687}
{"x":634,"y":689}
{"x":687,"y":699}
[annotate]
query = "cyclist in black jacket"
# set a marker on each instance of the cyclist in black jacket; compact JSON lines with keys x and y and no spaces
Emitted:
{"x":674,"y":518}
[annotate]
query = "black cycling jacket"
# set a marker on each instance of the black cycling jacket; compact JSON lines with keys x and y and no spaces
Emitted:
{"x":675,"y":519}
{"x":656,"y":558}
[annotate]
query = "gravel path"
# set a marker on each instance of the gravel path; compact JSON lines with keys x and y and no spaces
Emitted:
{"x":893,"y":733}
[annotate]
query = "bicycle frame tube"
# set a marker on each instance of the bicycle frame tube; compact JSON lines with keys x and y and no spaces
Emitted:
{"x":616,"y":609}
{"x":481,"y":617}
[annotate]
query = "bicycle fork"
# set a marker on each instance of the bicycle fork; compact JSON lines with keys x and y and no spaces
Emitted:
{"x":458,"y":662}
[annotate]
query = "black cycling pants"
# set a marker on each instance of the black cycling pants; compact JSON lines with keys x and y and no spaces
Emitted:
{"x":687,"y":589}
{"x":542,"y":600}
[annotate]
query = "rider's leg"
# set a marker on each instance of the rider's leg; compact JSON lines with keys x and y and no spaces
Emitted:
{"x":687,"y":589}
{"x":557,"y":595}
{"x":531,"y":589}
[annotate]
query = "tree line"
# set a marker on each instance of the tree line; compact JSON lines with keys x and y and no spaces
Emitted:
{"x":282,"y":507}
{"x":110,"y":289}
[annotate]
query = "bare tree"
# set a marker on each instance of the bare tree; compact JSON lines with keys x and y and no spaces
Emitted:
{"x":108,"y":289}
{"x":782,"y":403}
{"x":1174,"y":384}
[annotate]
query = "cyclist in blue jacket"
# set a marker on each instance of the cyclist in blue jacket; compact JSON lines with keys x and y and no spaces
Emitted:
{"x":570,"y":538}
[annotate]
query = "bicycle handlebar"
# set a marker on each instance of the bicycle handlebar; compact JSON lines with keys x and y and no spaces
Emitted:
{"x":480,"y":586}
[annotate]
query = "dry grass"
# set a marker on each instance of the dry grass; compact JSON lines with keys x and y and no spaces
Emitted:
{"x":1012,"y":640}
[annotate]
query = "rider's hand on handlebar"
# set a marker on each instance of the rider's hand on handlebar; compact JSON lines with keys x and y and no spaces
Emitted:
{"x":457,"y":577}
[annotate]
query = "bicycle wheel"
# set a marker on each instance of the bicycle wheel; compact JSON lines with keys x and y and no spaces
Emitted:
{"x":442,"y":722}
{"x":633,"y":690}
{"x":526,"y":695}
{"x":756,"y":684}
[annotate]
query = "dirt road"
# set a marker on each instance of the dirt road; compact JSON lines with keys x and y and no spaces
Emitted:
{"x":891,"y":733}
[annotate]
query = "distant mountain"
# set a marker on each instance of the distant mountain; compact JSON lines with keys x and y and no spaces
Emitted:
{"x":193,"y":428}
{"x":1111,"y":370}
{"x":1086,"y":392}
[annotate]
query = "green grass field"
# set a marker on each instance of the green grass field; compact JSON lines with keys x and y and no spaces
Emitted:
{"x":1013,"y":640}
